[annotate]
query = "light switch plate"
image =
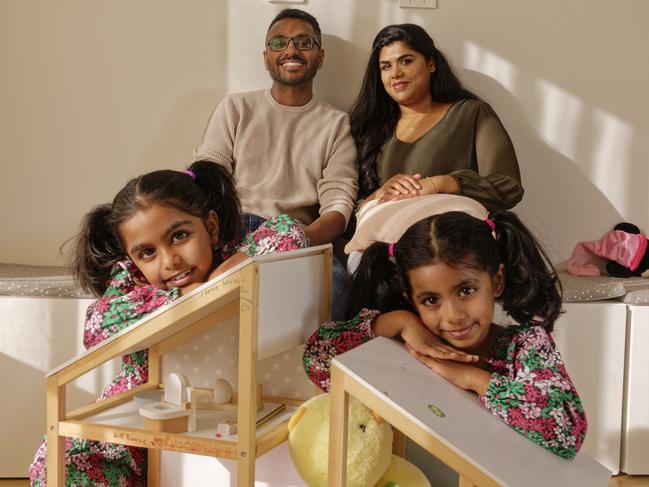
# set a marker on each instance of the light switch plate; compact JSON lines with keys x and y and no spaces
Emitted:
{"x":417,"y":3}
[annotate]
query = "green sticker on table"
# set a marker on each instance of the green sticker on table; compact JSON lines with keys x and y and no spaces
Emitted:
{"x":436,"y":411}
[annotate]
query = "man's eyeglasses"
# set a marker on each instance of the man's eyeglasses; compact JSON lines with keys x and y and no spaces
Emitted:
{"x":303,"y":43}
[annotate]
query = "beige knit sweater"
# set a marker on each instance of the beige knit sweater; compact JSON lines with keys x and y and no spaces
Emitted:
{"x":295,"y":160}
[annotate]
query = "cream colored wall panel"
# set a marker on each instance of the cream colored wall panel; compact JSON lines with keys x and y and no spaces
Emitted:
{"x":35,"y":335}
{"x":635,"y":442}
{"x":274,"y":469}
{"x":590,"y":337}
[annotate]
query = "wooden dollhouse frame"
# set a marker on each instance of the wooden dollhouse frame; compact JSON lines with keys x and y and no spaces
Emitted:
{"x":444,"y":420}
{"x":243,"y":290}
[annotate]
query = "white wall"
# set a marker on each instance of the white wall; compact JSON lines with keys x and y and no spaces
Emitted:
{"x":93,"y":93}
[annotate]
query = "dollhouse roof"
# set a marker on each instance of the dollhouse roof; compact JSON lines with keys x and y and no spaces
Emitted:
{"x":289,"y":300}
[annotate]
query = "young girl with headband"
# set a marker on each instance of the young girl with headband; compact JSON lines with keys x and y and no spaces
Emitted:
{"x":164,"y":234}
{"x":432,"y":277}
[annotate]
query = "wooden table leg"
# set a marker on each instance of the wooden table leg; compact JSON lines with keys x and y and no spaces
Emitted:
{"x":247,"y":400}
{"x":153,"y":454}
{"x":55,"y":443}
{"x":339,"y":401}
{"x":399,"y":443}
{"x":153,"y":467}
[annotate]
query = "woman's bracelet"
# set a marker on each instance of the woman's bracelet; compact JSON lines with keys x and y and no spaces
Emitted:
{"x":432,"y":184}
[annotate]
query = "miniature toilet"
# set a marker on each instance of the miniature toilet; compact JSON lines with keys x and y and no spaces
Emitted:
{"x":169,"y":415}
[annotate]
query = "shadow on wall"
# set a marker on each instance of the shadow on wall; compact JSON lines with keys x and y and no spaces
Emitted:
{"x":23,"y":408}
{"x":345,"y":59}
{"x":605,"y":143}
{"x":344,"y":65}
{"x":561,"y":203}
{"x":580,"y":162}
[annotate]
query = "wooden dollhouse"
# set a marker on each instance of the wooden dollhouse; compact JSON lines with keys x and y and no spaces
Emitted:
{"x":279,"y":300}
{"x":448,"y":422}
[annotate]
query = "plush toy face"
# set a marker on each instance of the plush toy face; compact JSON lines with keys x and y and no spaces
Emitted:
{"x":637,"y":245}
{"x":369,"y":444}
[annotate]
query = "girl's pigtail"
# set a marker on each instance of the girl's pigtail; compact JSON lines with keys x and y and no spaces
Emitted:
{"x":97,"y":249}
{"x":221,"y":194}
{"x":377,"y":283}
{"x":532,"y":293}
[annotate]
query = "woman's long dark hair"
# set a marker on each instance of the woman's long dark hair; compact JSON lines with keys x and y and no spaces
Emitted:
{"x":98,"y":245}
{"x":374,"y":114}
{"x":532,"y":293}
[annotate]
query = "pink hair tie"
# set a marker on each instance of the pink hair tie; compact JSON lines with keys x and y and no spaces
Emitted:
{"x":190,"y":173}
{"x":391,"y":250}
{"x":491,"y":224}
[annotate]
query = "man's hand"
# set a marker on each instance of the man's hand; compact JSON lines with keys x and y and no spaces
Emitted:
{"x":326,"y":228}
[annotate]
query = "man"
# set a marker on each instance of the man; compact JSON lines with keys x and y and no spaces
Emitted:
{"x":289,"y":152}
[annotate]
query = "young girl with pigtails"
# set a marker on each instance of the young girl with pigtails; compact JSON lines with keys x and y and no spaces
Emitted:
{"x":432,"y":270}
{"x":164,"y":234}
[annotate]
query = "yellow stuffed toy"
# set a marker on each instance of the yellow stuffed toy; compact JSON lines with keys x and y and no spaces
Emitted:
{"x":369,"y":448}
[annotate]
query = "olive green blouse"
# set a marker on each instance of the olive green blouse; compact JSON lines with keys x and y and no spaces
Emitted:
{"x":469,"y":143}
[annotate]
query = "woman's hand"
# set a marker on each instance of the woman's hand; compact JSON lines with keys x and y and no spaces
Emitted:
{"x":399,"y":186}
{"x":468,"y":377}
{"x":417,"y":337}
{"x":404,"y":186}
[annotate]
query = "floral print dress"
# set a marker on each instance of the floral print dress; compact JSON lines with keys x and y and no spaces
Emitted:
{"x":529,"y":389}
{"x":92,"y":463}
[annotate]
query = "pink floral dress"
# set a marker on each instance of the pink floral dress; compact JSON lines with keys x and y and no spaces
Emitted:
{"x":529,"y":389}
{"x":92,"y":463}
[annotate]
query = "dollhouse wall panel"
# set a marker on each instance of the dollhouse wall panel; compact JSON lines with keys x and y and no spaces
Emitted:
{"x":288,"y":318}
{"x":215,"y":355}
{"x":288,"y":314}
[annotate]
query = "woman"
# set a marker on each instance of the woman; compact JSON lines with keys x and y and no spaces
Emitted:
{"x":418,"y":131}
